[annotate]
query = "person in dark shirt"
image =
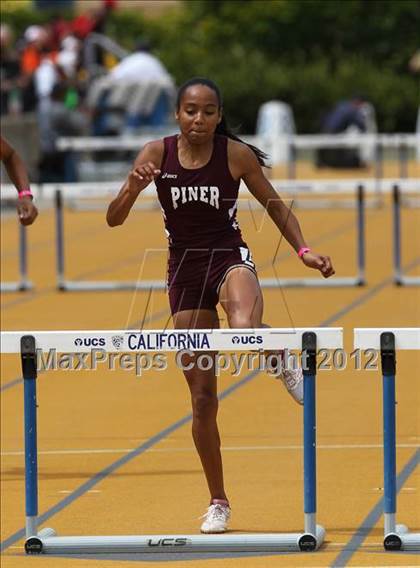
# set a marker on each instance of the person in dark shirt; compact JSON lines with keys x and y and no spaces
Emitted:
{"x":9,"y":73}
{"x":345,"y":115}
{"x":56,"y":120}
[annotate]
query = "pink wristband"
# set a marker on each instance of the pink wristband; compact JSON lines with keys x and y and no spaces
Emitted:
{"x":302,"y":251}
{"x":25,"y":193}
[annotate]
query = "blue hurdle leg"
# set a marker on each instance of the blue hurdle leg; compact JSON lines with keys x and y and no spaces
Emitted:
{"x":309,"y":442}
{"x":390,"y":468}
{"x":28,"y":357}
{"x":309,"y":432}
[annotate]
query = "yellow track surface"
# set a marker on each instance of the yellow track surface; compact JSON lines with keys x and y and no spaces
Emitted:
{"x":89,"y":420}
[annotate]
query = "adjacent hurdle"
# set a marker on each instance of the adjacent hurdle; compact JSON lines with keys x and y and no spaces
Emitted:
{"x":23,"y":283}
{"x":66,"y":285}
{"x":396,"y":537}
{"x":400,"y":278}
{"x":359,"y":279}
{"x":306,"y":340}
{"x":372,"y":144}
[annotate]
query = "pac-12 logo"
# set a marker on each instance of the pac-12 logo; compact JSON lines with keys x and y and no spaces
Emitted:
{"x":90,"y":341}
{"x":247,"y":339}
{"x":117,"y":341}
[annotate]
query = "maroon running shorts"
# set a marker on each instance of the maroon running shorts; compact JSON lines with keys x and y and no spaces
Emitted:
{"x":195,"y":276}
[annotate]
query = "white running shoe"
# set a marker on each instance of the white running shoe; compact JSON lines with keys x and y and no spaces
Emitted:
{"x":216,"y":517}
{"x":291,"y":378}
{"x":293,"y":381}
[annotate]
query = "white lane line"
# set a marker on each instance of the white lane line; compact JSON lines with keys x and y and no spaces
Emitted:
{"x":71,"y":491}
{"x":192,"y":449}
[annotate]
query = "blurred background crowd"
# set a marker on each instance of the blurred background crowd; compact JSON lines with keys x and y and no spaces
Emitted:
{"x":111,"y":67}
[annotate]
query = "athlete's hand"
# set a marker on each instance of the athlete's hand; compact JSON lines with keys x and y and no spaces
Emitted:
{"x":27,"y":212}
{"x":142,"y":175}
{"x":320,"y":262}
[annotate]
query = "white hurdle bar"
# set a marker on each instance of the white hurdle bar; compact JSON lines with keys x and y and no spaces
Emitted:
{"x":400,"y":278}
{"x":402,"y":142}
{"x":388,"y":341}
{"x":23,"y":283}
{"x":308,"y":341}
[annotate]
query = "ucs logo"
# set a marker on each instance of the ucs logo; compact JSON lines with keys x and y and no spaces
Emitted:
{"x":178,"y":541}
{"x":247,"y":339}
{"x":90,"y":341}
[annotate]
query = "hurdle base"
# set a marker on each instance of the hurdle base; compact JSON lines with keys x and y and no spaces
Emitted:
{"x":46,"y":542}
{"x":312,"y":282}
{"x":407,"y":280}
{"x":22,"y":286}
{"x":109,"y":286}
{"x":402,"y":539}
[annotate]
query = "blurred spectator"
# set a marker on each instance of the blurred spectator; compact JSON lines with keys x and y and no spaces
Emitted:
{"x":68,"y":56}
{"x":36,"y":38}
{"x":9,"y":72}
{"x":55,"y":120}
{"x":36,"y":53}
{"x":345,"y":114}
{"x":141,"y":64}
{"x":57,"y":66}
{"x":46,"y":76}
{"x":414,"y":63}
{"x":349,"y":116}
{"x":137,"y":92}
{"x":93,"y":20}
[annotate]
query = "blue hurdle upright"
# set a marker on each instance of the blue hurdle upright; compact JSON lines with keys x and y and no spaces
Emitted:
{"x":46,"y":540}
{"x":400,"y":278}
{"x":23,"y":283}
{"x":396,"y":537}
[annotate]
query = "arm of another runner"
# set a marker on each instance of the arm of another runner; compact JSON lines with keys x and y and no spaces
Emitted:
{"x":282,"y":216}
{"x":16,"y":170}
{"x":145,"y":170}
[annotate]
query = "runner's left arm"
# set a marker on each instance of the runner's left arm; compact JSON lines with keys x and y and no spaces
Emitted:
{"x":282,"y":216}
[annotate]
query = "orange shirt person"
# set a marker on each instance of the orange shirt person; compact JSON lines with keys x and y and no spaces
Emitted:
{"x":16,"y":169}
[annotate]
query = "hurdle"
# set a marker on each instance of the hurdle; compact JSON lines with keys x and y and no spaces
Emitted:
{"x":359,"y":279}
{"x":388,"y":341}
{"x":65,"y":285}
{"x":308,"y":341}
{"x":23,"y":284}
{"x":400,"y":279}
{"x":373,"y":143}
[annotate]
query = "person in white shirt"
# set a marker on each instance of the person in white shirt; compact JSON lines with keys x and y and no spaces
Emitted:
{"x":139,"y":88}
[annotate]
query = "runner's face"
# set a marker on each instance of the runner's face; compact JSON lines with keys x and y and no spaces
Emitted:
{"x":198,"y":114}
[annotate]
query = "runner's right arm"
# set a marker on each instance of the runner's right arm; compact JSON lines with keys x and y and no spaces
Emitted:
{"x":145,"y":170}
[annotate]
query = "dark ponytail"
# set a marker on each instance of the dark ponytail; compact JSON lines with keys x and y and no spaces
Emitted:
{"x":222,"y":127}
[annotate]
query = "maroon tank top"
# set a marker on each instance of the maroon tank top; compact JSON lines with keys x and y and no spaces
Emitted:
{"x":199,"y":205}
